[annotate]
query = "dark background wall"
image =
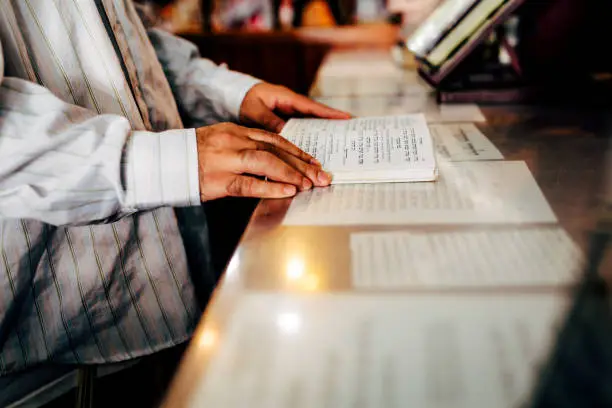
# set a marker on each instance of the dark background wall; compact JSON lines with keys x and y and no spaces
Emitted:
{"x":563,"y":37}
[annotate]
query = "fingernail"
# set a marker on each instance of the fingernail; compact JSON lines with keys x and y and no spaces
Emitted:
{"x":306,"y":184}
{"x":324,"y":178}
{"x":315,"y":162}
{"x":289,"y":190}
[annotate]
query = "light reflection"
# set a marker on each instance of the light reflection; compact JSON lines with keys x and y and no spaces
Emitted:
{"x":295,"y":268}
{"x":233,"y":265}
{"x":297,"y":278}
{"x":311,"y":282}
{"x":289,"y":322}
{"x":209,"y":338}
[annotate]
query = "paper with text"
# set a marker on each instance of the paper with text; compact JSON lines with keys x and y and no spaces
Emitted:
{"x":462,"y":142}
{"x":346,"y":351}
{"x":460,"y":259}
{"x":482,"y":192}
{"x":406,"y":104}
{"x":356,"y":66}
{"x":348,"y":86}
{"x":388,"y":148}
{"x":359,"y":73}
{"x":457,"y":113}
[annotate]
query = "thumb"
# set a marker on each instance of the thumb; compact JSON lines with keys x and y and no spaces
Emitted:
{"x":264,"y":117}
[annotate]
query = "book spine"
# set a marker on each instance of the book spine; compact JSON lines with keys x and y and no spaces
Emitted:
{"x":425,"y":73}
{"x":468,"y":47}
{"x":439,"y":22}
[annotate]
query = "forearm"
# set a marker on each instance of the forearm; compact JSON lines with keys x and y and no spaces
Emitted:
{"x":62,"y":164}
{"x":205,"y":92}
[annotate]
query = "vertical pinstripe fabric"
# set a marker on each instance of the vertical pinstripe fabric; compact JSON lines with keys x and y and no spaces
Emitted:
{"x":102,"y":292}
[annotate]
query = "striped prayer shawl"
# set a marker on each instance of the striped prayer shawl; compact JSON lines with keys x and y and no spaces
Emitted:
{"x":93,"y":293}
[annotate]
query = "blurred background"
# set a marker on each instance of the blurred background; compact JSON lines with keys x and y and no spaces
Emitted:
{"x":261,"y":15}
{"x":285,"y":41}
{"x":560,"y":48}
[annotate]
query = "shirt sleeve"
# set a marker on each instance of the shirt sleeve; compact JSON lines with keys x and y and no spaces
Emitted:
{"x":65,"y":165}
{"x":206,"y":93}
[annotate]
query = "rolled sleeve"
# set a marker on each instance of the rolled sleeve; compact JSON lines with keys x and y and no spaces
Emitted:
{"x":234,"y":87}
{"x":162,"y":170}
{"x":206,"y":93}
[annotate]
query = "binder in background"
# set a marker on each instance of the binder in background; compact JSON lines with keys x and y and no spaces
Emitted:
{"x":467,"y":77}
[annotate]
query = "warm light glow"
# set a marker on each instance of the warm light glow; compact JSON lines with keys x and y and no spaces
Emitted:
{"x":297,"y":276}
{"x":289,"y":323}
{"x":311,"y":282}
{"x":208,"y":339}
{"x":295,"y":268}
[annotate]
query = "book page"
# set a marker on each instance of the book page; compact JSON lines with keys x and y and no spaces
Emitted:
{"x":483,"y":258}
{"x":462,"y":142}
{"x":406,"y":104}
{"x":383,"y":105}
{"x":355,"y":145}
{"x":465,"y":193}
{"x":346,"y":351}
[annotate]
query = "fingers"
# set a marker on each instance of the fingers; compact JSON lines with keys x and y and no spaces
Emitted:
{"x":314,"y":172}
{"x":239,"y":137}
{"x":237,"y":185}
{"x":308,"y":107}
{"x":241,"y":140}
{"x":263,"y":116}
{"x":264,"y":163}
{"x":282,"y":143}
{"x":289,"y":153}
{"x":245,"y":186}
{"x":230,"y":155}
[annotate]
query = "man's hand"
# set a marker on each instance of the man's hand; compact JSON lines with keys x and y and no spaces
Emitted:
{"x":264,"y":101}
{"x":229,"y":157}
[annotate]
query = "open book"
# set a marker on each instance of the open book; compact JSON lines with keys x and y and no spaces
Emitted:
{"x":451,"y":34}
{"x":368,"y":150}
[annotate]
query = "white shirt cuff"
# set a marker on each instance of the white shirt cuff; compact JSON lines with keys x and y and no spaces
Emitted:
{"x":235,"y":88}
{"x":161,"y":169}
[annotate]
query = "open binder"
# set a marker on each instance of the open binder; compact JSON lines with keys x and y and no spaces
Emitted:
{"x":457,"y":51}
